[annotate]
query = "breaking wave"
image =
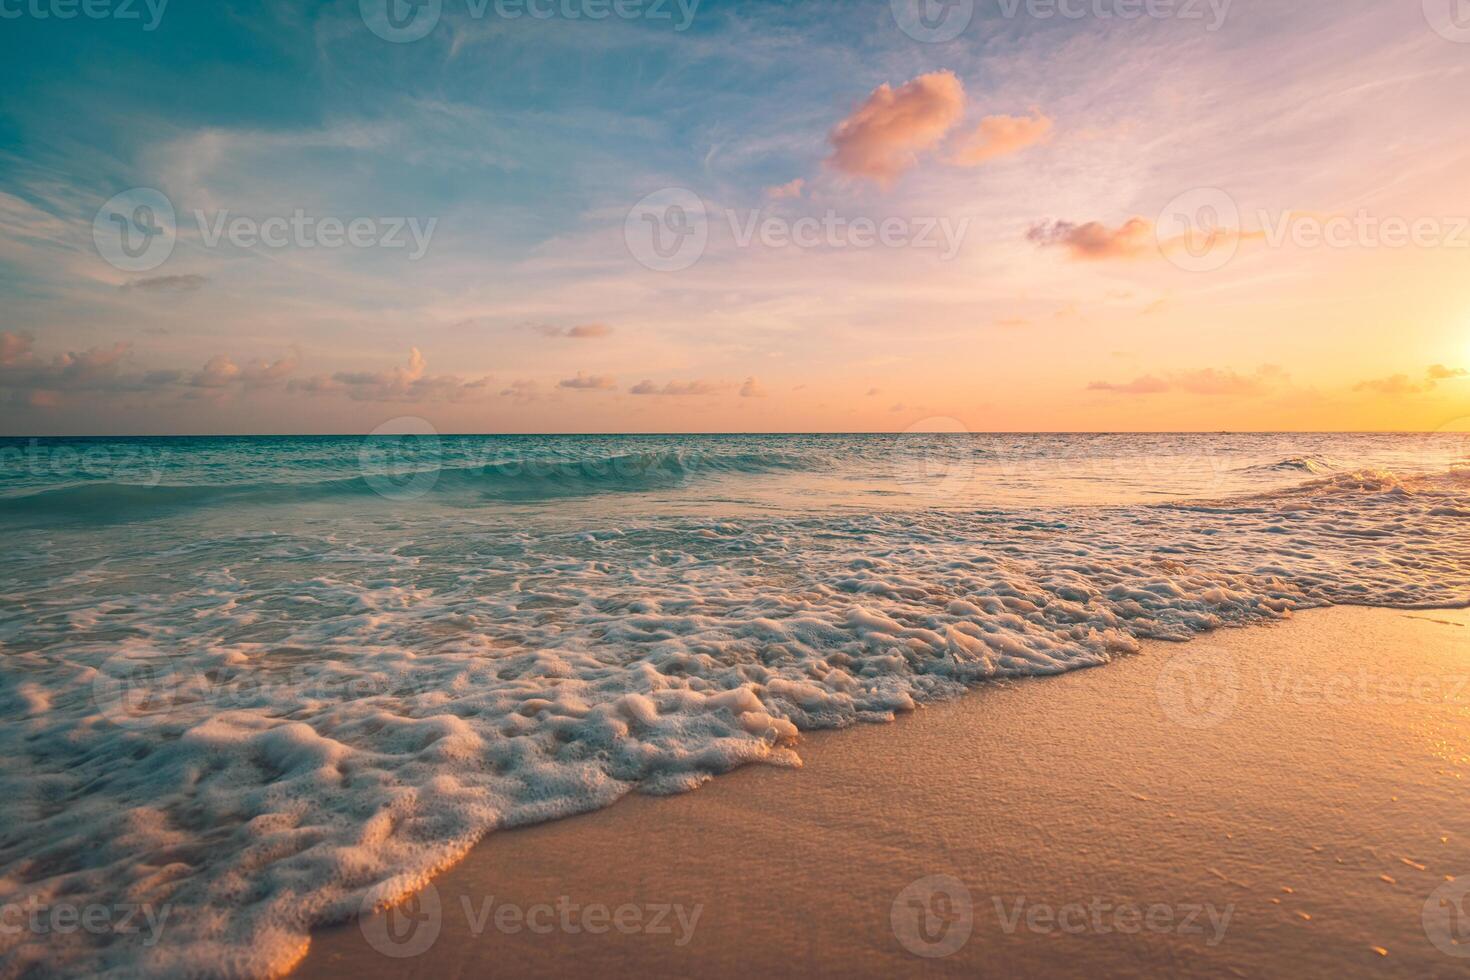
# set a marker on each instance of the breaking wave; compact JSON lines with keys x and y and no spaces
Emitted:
{"x":1315,"y":465}
{"x":531,"y":479}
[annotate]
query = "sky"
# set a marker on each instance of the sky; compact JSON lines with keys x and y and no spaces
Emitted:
{"x":669,"y":215}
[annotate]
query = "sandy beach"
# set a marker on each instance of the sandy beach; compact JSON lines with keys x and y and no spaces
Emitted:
{"x":1273,"y":801}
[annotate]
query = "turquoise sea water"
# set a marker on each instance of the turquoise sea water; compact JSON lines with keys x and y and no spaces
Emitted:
{"x":264,"y":682}
{"x":106,"y":479}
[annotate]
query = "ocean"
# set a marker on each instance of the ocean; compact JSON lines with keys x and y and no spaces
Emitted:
{"x":256,"y":684}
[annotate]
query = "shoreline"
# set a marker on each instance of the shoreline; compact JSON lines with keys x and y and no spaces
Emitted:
{"x":1260,"y":801}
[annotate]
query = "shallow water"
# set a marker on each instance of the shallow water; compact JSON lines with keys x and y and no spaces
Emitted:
{"x":260,"y":681}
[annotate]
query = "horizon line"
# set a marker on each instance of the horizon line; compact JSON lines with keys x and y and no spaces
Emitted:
{"x":793,"y":432}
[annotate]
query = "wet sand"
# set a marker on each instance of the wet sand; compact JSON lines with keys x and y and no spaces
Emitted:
{"x":1276,"y":801}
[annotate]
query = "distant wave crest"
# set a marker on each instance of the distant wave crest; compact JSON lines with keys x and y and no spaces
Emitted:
{"x":527,"y":479}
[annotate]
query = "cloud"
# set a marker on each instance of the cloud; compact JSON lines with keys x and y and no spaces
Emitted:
{"x":1145,"y":385}
{"x":1205,"y":381}
{"x":1402,"y":384}
{"x":93,"y":362}
{"x":96,"y":367}
{"x":588,"y":382}
{"x":399,"y":376}
{"x":882,"y":138}
{"x":790,"y":189}
{"x":584,"y":331}
{"x":15,"y":346}
{"x":99,"y":370}
{"x":1398,"y":384}
{"x":167,"y":284}
{"x":588,"y":330}
{"x":1094,"y":241}
{"x":40,"y":383}
{"x":523,"y":391}
{"x":1000,"y":136}
{"x":220,"y":374}
{"x":695,"y":387}
{"x":217,"y":372}
{"x":318,"y":384}
{"x":409,"y":383}
{"x":259,"y":374}
{"x":749,"y":388}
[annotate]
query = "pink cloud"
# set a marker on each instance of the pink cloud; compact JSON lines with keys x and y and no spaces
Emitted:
{"x":408,"y":383}
{"x":220,"y":373}
{"x":100,"y":370}
{"x":882,"y":138}
{"x":787,"y":190}
{"x":695,"y":387}
{"x":999,"y":136}
{"x":1094,"y":241}
{"x":587,"y":330}
{"x":1205,"y":381}
{"x":1402,"y":384}
{"x":217,"y":372}
{"x":523,"y":391}
{"x":752,"y":388}
{"x":38,"y":381}
{"x":1146,"y":385}
{"x":259,"y":374}
{"x":588,"y":382}
{"x":1398,"y":384}
{"x":583,"y":331}
{"x":167,"y":284}
{"x":14,"y":347}
{"x":93,"y":361}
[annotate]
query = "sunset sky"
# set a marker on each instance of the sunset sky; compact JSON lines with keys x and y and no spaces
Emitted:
{"x":1053,"y":152}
